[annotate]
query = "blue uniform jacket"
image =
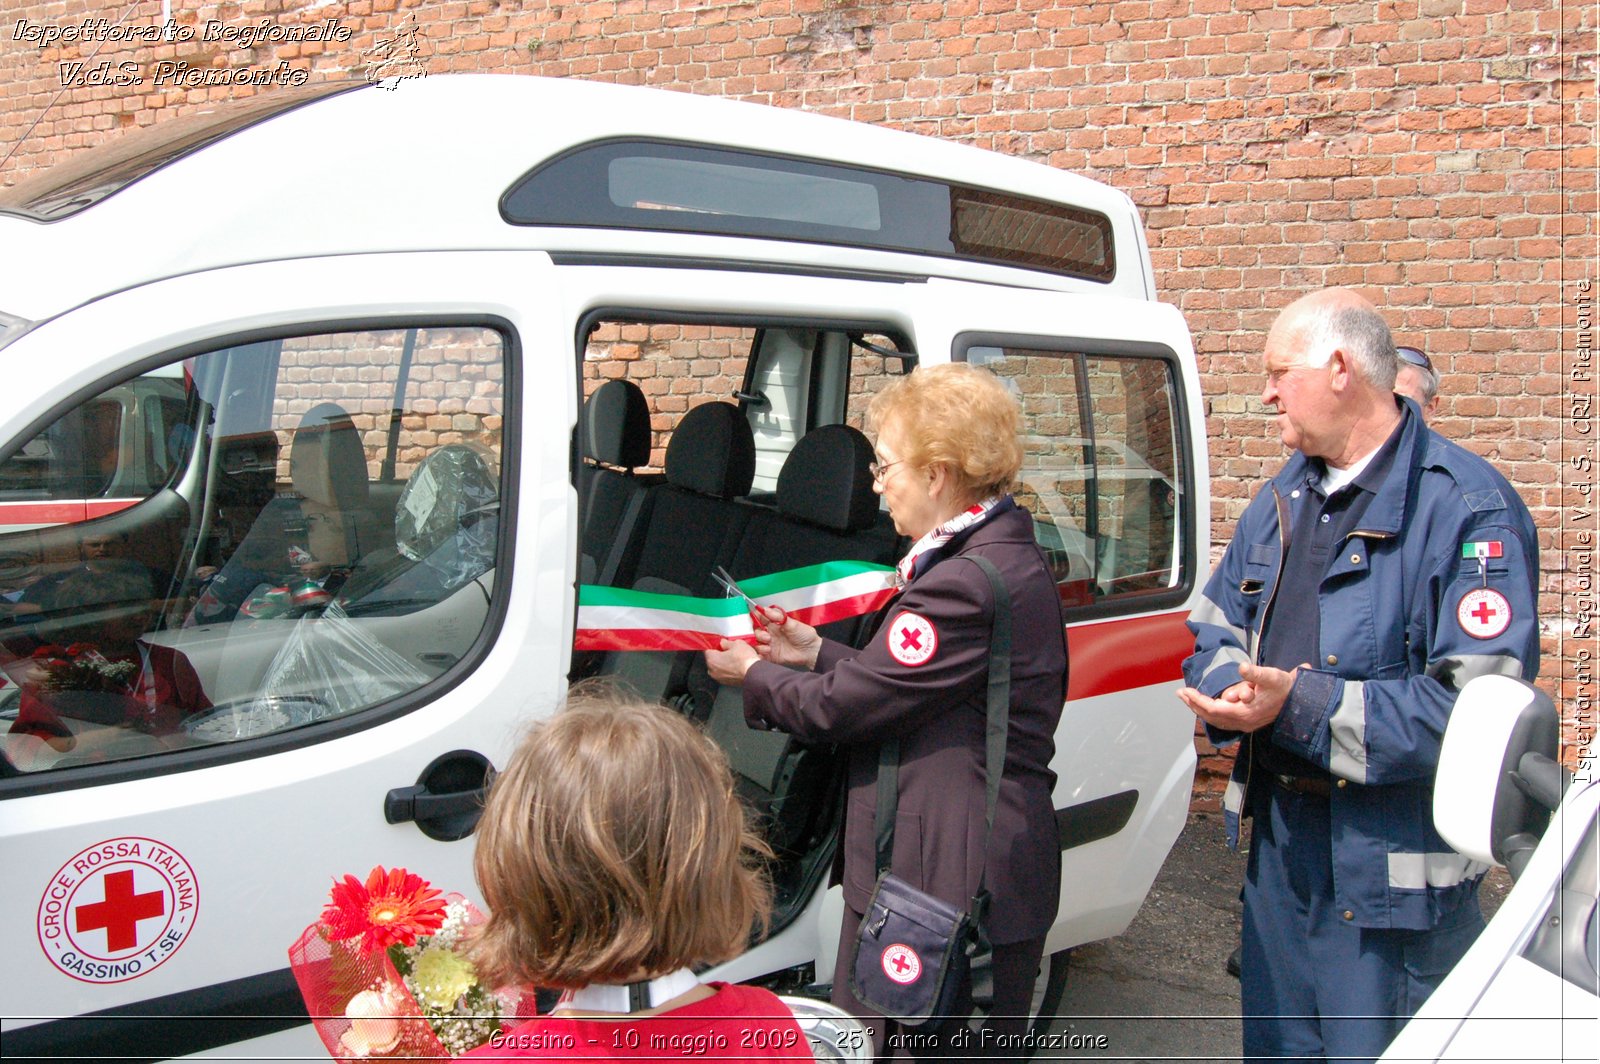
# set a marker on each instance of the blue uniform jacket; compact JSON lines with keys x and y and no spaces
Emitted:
{"x":1406,"y":620}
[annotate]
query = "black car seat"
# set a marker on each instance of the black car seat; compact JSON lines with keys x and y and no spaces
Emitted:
{"x":695,"y":525}
{"x":827,"y":511}
{"x":613,"y":499}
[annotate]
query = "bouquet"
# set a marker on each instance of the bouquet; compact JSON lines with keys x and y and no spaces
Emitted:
{"x":382,"y":975}
{"x":81,"y":667}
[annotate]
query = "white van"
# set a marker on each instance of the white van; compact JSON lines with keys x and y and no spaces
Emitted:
{"x":399,"y":371}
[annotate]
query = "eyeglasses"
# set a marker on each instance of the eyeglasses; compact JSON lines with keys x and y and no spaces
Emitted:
{"x":879,"y":470}
{"x":1412,"y":356}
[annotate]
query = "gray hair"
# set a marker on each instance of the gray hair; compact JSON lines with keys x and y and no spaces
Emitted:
{"x":1361,"y":333}
{"x":1429,"y":378}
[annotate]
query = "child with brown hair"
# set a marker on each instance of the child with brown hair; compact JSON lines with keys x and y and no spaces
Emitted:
{"x":615,"y":857}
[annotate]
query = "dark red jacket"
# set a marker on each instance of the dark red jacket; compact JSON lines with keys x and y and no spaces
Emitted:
{"x":934,"y":704}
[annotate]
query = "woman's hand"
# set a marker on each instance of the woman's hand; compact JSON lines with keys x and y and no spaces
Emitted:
{"x":783,"y":640}
{"x":728,"y":665}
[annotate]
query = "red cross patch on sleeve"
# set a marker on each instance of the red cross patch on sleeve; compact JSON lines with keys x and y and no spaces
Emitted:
{"x":911,"y":639}
{"x":1483,"y":613}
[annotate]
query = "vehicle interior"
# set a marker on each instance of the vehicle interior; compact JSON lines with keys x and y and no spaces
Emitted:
{"x":763,"y":468}
{"x":283,"y":533}
{"x":709,"y":445}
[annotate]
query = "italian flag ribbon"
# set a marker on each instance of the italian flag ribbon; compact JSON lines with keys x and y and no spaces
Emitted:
{"x":1491,"y":548}
{"x":614,"y":618}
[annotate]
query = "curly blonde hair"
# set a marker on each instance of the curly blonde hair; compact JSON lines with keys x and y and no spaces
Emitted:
{"x":613,"y":848}
{"x":960,"y":417}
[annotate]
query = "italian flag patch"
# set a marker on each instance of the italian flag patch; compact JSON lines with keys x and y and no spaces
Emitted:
{"x":1488,"y":548}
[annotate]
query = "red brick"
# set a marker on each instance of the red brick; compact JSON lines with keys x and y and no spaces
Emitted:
{"x":1414,"y":147}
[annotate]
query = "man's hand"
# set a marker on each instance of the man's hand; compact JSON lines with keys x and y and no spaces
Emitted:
{"x":1249,"y":705}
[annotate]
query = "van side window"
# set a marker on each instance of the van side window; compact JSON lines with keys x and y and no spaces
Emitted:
{"x":1102,"y":473}
{"x":272,"y":535}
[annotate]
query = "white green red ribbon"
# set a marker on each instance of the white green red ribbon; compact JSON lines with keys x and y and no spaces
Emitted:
{"x":613,"y":618}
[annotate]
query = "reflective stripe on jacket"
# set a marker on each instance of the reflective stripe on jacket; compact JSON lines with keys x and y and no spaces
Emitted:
{"x":1406,"y":618}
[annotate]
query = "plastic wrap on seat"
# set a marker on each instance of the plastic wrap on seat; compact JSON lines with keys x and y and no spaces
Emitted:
{"x":446,"y":518}
{"x":333,"y":659}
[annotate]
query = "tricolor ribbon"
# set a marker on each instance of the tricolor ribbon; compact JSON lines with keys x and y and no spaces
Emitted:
{"x":613,"y":618}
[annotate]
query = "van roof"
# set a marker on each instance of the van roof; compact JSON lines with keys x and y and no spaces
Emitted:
{"x":428,"y":164}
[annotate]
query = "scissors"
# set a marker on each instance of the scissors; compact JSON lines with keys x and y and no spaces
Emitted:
{"x":732,"y":588}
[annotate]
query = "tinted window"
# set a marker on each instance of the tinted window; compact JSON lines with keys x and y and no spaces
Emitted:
{"x":694,"y":189}
{"x":1103,"y":472}
{"x":325,"y":542}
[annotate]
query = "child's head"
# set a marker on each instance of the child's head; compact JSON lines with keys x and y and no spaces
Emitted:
{"x":613,"y":848}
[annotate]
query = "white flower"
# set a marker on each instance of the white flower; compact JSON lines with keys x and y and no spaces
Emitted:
{"x":373,"y":1028}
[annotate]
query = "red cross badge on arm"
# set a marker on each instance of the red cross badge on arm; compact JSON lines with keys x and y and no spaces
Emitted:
{"x":1483,"y":613}
{"x":911,"y":638}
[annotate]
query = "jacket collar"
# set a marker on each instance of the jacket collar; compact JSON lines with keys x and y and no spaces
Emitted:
{"x":1386,"y":513}
{"x":1013,"y":525}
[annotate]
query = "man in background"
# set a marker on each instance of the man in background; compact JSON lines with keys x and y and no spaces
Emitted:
{"x":1377,"y":573}
{"x":1417,"y":379}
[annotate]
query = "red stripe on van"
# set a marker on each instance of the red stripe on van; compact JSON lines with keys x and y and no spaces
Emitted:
{"x":60,"y":513}
{"x":1117,"y":656}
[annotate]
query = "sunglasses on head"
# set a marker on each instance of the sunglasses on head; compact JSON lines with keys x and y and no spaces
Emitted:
{"x":1412,"y":356}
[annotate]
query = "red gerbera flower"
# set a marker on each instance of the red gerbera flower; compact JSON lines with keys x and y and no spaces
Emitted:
{"x":393,"y":907}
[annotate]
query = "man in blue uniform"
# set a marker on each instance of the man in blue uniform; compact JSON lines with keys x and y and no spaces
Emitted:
{"x":1381,"y":569}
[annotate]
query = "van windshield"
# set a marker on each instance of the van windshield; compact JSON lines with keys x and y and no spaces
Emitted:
{"x":89,"y":177}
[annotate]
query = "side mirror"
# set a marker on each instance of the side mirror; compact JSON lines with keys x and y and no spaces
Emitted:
{"x":1498,"y":777}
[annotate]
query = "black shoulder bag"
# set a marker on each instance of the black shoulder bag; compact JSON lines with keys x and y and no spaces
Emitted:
{"x":914,"y":950}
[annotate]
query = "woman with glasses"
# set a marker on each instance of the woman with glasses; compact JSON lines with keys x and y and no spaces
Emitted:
{"x":948,"y":452}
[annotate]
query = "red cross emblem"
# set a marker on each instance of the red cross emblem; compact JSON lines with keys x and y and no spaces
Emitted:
{"x":912,"y":639}
{"x":1483,"y":613}
{"x":901,"y":963}
{"x":117,"y":910}
{"x":119,"y":914}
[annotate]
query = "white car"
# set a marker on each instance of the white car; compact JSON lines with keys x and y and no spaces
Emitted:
{"x":1528,"y":989}
{"x":403,"y":377}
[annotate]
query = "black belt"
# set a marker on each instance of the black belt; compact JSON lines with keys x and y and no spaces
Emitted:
{"x":1310,"y":786}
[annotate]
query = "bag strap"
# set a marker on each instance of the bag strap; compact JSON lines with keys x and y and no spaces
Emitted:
{"x":997,"y":723}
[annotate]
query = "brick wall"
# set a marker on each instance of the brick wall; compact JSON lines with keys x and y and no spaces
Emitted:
{"x":1438,"y":154}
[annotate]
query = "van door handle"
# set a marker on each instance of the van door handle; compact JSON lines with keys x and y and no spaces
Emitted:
{"x":447,"y":799}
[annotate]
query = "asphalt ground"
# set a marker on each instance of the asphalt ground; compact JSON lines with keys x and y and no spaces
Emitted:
{"x":1160,"y":991}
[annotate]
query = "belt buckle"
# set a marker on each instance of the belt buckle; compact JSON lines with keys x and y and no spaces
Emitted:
{"x":1305,"y":786}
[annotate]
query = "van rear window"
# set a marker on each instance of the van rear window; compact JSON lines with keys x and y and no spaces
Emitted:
{"x":89,"y":177}
{"x":683,"y":188}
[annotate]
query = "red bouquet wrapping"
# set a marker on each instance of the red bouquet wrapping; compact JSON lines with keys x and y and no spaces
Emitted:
{"x":382,"y":975}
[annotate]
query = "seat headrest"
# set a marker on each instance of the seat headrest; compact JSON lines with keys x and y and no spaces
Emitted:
{"x":327,"y":462}
{"x":826,"y":480}
{"x":616,"y":425}
{"x":712,"y":452}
